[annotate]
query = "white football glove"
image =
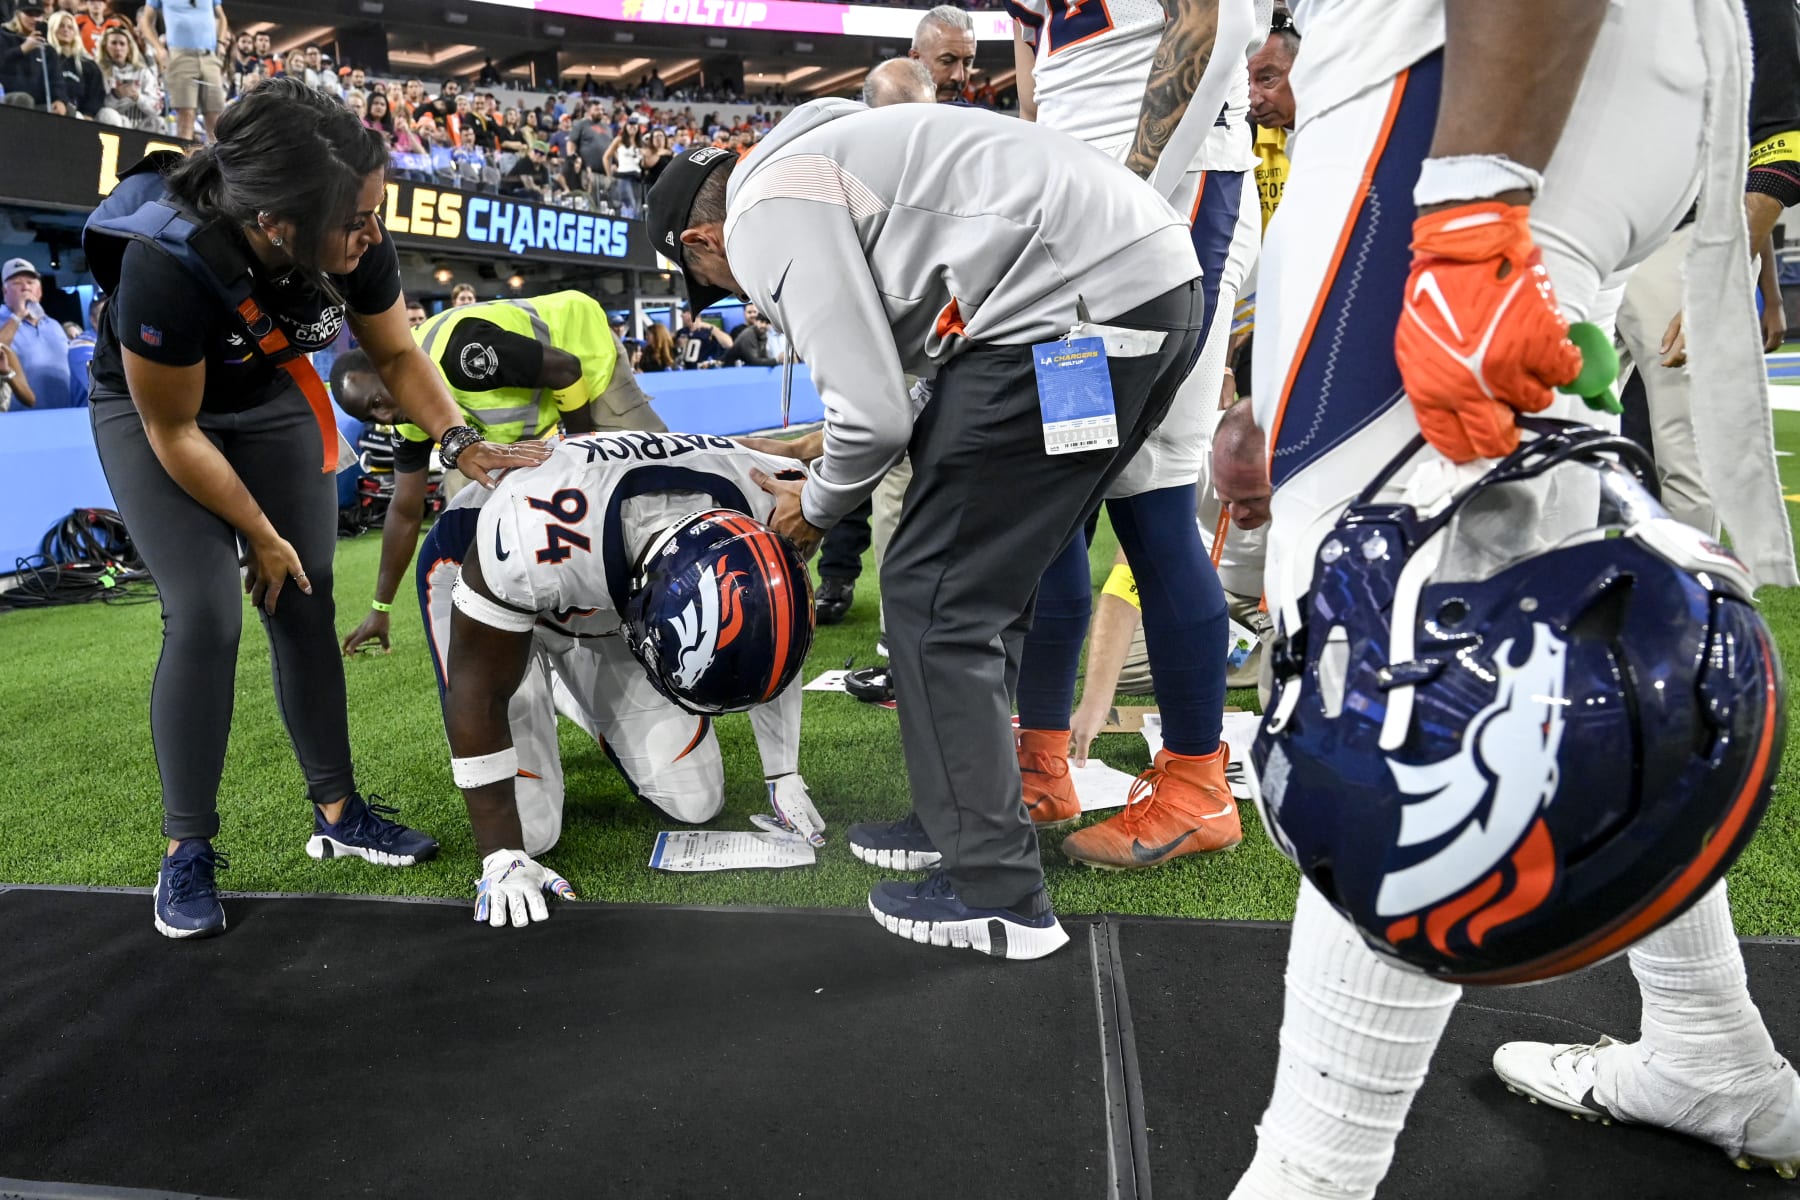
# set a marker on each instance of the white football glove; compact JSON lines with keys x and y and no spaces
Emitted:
{"x":511,"y":883}
{"x":794,"y":808}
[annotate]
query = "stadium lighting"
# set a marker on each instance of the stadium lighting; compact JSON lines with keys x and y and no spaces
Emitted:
{"x":554,"y":31}
{"x":515,"y":282}
{"x":624,"y":36}
{"x":803,"y":47}
{"x":457,"y":18}
{"x":717,"y":43}
{"x":443,"y":275}
{"x":370,"y":7}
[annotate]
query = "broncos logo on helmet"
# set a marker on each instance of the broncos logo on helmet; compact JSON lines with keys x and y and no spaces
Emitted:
{"x":1489,"y":795}
{"x":709,"y":623}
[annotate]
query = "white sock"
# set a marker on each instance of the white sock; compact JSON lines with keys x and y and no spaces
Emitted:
{"x":1704,"y":1062}
{"x":1357,"y":1037}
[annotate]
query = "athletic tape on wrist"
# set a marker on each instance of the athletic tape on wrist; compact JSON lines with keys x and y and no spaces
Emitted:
{"x":1469,"y":177}
{"x":1123,"y":584}
{"x":479,"y":770}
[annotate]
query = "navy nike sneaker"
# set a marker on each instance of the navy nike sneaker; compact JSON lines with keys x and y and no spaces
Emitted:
{"x":187,"y":894}
{"x":930,"y":912}
{"x":895,"y":845}
{"x":363,"y":831}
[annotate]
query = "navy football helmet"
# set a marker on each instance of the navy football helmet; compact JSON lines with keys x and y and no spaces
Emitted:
{"x":1510,"y":775}
{"x":720,"y":613}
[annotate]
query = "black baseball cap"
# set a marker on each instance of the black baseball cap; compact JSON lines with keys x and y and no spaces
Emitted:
{"x":479,"y":356}
{"x":671,"y":200}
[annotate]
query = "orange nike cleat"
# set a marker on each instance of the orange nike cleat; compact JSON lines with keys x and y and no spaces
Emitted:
{"x":1179,"y":806}
{"x":1044,"y":770}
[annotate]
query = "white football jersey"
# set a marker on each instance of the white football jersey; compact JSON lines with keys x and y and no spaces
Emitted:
{"x":1093,"y":63}
{"x":560,"y":540}
{"x":1350,"y":46}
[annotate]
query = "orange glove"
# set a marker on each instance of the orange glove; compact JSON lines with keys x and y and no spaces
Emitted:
{"x":1480,"y":335}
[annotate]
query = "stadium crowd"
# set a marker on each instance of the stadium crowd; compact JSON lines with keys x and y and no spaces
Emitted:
{"x":590,"y":145}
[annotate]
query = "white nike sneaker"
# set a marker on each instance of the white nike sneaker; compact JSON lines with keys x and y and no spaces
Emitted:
{"x":1754,"y":1130}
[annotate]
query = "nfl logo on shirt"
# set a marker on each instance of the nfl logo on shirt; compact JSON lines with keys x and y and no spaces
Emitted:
{"x":151,"y":335}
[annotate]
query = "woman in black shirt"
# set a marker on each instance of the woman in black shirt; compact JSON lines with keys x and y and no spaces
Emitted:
{"x":214,"y":457}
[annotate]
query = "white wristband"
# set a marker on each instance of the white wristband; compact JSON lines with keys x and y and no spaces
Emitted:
{"x":479,"y":770}
{"x":1470,"y":177}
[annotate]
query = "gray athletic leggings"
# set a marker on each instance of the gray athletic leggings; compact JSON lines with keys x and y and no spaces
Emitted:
{"x":194,"y":557}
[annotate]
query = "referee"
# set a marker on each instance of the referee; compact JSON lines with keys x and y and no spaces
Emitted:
{"x":955,"y":243}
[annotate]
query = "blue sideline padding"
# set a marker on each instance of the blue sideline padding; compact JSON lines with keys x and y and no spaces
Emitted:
{"x":48,"y":464}
{"x":729,"y":400}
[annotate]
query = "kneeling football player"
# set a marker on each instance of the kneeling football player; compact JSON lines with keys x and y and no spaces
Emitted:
{"x":631,"y":584}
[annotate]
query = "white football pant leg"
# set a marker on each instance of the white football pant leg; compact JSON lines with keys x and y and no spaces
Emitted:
{"x":669,"y":757}
{"x":1357,"y":1036}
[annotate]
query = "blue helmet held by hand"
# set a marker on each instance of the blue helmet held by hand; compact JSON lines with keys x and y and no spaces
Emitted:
{"x":1504,"y":771}
{"x":720,"y":613}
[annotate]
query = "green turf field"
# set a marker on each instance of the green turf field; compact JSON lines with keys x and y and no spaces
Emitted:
{"x":79,"y":792}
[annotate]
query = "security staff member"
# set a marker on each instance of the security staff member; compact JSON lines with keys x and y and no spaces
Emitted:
{"x":952,"y":242}
{"x":515,"y":368}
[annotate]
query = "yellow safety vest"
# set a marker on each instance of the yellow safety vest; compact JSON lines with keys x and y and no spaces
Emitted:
{"x":1271,"y":169}
{"x":570,"y":321}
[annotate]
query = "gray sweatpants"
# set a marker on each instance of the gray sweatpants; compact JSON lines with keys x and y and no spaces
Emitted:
{"x":986,"y":513}
{"x":194,"y":557}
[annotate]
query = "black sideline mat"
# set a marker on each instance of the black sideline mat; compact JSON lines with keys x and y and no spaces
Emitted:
{"x":1206,"y":1005}
{"x":328,"y":1048}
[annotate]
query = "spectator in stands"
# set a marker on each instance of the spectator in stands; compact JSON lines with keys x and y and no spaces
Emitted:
{"x":529,"y":177}
{"x":482,"y":125}
{"x":357,"y":81}
{"x":412,"y":99}
{"x":243,"y":53}
{"x":357,"y":103}
{"x":591,"y":138}
{"x":751,"y":346}
{"x":461,"y":294}
{"x":659,"y":349}
{"x":189,"y":57}
{"x":380,"y":118}
{"x":899,"y":81}
{"x":431,"y":135}
{"x":25,"y":59}
{"x":91,"y":19}
{"x":559,"y":137}
{"x":15,"y":389}
{"x":81,"y":353}
{"x":700,"y":343}
{"x":132,"y":98}
{"x":657,"y":154}
{"x":313,"y":67}
{"x":39,"y":341}
{"x":74,"y":73}
{"x":945,"y":42}
{"x":415,"y":313}
{"x":444,"y":103}
{"x":489,"y":75}
{"x":624,"y":163}
{"x":265,"y":50}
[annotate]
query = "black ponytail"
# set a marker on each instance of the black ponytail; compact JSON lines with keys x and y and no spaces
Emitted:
{"x":290,"y":151}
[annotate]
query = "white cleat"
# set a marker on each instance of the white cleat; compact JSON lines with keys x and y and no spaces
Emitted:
{"x":321,"y":847}
{"x":1563,"y":1075}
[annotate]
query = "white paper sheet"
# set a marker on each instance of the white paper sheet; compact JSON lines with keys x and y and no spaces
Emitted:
{"x":728,"y":850}
{"x":830,"y":681}
{"x":1238,"y":733}
{"x":1099,"y":785}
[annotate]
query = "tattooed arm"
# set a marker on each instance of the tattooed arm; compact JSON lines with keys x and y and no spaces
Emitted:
{"x":1181,"y":58}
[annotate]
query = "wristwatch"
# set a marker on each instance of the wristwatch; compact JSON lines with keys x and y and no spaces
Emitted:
{"x":456,"y":439}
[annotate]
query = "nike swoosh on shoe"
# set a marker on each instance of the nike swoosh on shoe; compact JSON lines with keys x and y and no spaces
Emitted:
{"x":1149,"y":854}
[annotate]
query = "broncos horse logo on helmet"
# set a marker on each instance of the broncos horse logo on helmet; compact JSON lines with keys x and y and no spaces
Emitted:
{"x":1503,"y":773}
{"x":720,"y":613}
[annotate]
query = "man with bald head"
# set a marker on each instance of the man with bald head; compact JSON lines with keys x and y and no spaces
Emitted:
{"x":899,"y":81}
{"x":945,"y":43}
{"x":1240,"y":468}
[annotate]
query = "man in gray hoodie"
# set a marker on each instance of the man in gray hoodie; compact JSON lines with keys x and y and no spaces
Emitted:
{"x":957,"y":244}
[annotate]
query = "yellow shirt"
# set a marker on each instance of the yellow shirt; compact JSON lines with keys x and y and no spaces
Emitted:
{"x":1271,"y":169}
